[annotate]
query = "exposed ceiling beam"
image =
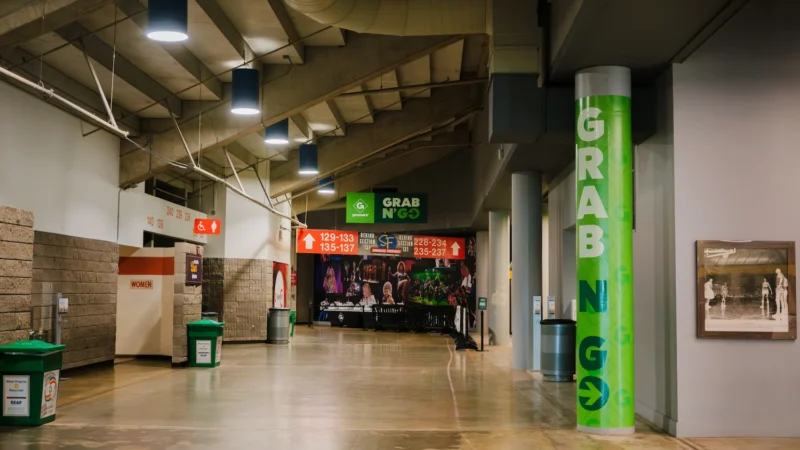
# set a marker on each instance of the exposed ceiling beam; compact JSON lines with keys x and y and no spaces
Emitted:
{"x":288,"y":27}
{"x":340,"y":122}
{"x":237,"y":151}
{"x":211,"y":166}
{"x":368,"y":101}
{"x":67,"y":87}
{"x":101,"y":52}
{"x":419,"y":155}
{"x":365,"y":141}
{"x":303,"y":126}
{"x":27,"y":24}
{"x":178,"y":51}
{"x":226,"y":27}
{"x":365,"y":57}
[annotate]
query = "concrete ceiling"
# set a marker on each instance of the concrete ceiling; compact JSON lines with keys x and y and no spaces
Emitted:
{"x":645,"y":35}
{"x":314,"y":75}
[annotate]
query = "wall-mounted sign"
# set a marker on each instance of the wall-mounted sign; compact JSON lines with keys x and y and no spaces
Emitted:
{"x":141,"y":284}
{"x":207,"y":226}
{"x":279,"y":292}
{"x":386,"y":244}
{"x":383,"y":207}
{"x":194,"y":270}
{"x":366,"y":244}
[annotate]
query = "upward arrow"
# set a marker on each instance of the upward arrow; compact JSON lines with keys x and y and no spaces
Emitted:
{"x":309,"y":240}
{"x":455,"y":247}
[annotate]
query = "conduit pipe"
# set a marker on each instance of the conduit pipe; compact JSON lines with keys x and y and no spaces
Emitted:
{"x":237,"y":190}
{"x":50,"y":93}
{"x":400,"y":17}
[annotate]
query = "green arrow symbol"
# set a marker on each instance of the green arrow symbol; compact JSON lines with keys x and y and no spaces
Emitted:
{"x":593,"y":393}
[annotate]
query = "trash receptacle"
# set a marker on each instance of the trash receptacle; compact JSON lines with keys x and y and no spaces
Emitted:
{"x":292,"y":320}
{"x":558,"y":349}
{"x":278,"y":326}
{"x":205,"y":343}
{"x":210,"y":315}
{"x":30,"y":375}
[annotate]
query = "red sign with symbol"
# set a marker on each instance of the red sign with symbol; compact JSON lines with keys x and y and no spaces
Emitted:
{"x":439,"y":247}
{"x":327,"y":242}
{"x":207,"y":226}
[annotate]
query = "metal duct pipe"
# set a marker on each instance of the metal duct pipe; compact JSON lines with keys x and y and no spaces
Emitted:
{"x":400,"y":17}
{"x":50,"y":93}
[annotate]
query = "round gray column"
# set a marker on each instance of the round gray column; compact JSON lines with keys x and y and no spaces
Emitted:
{"x":526,"y":254}
{"x":499,"y":260}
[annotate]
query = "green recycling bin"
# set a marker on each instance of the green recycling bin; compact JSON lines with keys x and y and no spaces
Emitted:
{"x":292,"y":319}
{"x":205,"y":343}
{"x":30,"y":375}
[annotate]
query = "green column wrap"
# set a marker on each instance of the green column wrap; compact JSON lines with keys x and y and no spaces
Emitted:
{"x":604,"y":223}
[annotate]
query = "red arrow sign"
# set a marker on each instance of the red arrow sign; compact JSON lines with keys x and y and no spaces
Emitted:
{"x":207,"y":226}
{"x":439,"y":247}
{"x":327,"y":242}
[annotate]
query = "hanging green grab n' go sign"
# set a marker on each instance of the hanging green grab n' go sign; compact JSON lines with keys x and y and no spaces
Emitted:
{"x":369,"y":207}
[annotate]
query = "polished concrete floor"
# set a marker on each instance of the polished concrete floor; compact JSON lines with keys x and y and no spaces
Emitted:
{"x":332,"y":389}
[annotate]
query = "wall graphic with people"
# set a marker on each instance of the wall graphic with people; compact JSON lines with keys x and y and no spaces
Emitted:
{"x":370,"y":280}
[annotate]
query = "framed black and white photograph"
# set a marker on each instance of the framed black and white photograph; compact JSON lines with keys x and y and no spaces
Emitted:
{"x":746,"y":290}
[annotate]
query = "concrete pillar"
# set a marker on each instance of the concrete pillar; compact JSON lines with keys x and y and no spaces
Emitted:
{"x":482,"y":268}
{"x":499,"y":260}
{"x":526,"y":226}
{"x":603,"y":168}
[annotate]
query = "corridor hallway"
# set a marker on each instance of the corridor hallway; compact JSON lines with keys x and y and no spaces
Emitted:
{"x":332,"y":389}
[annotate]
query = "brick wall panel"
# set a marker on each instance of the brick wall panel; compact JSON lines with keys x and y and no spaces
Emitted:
{"x":85,"y":271}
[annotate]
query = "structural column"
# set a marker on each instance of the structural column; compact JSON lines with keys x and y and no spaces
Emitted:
{"x":603,"y":166}
{"x":499,"y":261}
{"x":482,"y":267}
{"x":526,"y":226}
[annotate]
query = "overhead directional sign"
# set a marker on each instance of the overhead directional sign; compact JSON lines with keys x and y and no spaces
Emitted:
{"x":383,"y":207}
{"x":327,"y":242}
{"x":365,"y":244}
{"x":207,"y":226}
{"x":439,"y":247}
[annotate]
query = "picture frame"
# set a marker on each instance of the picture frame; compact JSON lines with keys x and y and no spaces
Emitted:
{"x":746,"y":290}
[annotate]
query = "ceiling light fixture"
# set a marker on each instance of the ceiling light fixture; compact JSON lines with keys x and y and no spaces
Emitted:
{"x":245,"y":95}
{"x":326,"y":186}
{"x":308,"y":159}
{"x":167,"y":20}
{"x":277,"y":133}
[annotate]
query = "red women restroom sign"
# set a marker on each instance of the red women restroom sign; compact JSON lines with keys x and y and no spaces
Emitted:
{"x":207,"y":226}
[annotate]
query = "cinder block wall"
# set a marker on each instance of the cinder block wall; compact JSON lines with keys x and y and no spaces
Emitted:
{"x":187,"y":302}
{"x":16,"y":269}
{"x":241,"y":291}
{"x":85,"y":271}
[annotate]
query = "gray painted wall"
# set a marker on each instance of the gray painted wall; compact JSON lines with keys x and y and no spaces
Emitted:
{"x":736,"y":158}
{"x":654,"y":270}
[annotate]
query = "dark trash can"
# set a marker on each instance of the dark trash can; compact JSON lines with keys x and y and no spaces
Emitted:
{"x":210,"y":316}
{"x":558,"y":349}
{"x":278,"y":326}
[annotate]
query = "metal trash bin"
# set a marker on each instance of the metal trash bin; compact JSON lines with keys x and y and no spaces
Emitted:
{"x":30,"y":372}
{"x":558,"y":349}
{"x":278,"y":326}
